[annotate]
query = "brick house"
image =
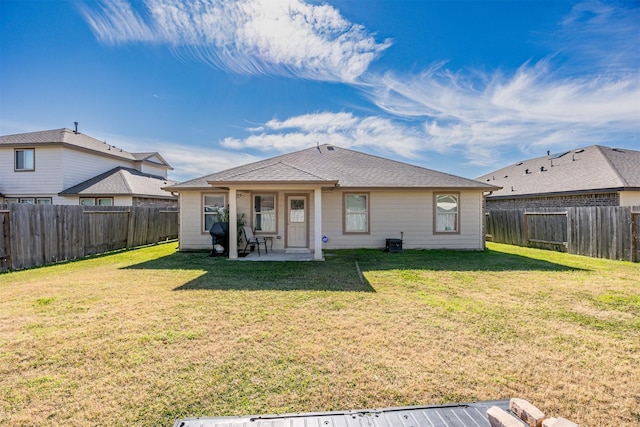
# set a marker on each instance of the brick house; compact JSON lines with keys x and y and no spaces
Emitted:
{"x":590,"y":176}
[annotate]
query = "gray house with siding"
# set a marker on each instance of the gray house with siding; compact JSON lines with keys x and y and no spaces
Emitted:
{"x":590,"y":176}
{"x":331,"y":197}
{"x":64,"y":166}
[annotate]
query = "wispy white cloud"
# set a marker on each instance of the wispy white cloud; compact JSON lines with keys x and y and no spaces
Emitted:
{"x":600,"y":36}
{"x":528,"y":110}
{"x":480,"y":119}
{"x":342,"y":129}
{"x":199,"y":161}
{"x":116,"y":22}
{"x":188,"y":161}
{"x":282,"y":37}
{"x":587,"y":91}
{"x":546,"y":105}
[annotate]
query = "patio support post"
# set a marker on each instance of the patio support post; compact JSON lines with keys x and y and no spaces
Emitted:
{"x":317,"y":215}
{"x":233,"y":224}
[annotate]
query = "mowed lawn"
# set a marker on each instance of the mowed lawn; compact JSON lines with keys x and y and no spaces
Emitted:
{"x":146,"y":336}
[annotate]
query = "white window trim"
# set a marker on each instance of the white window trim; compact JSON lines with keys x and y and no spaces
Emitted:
{"x":95,"y":200}
{"x":203,"y":222}
{"x":15,"y":160}
{"x":435,"y":212}
{"x":255,"y":213}
{"x":344,"y":212}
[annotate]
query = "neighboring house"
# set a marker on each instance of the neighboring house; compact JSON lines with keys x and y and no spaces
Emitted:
{"x":63,"y":166}
{"x":590,"y":176}
{"x":353,"y":199}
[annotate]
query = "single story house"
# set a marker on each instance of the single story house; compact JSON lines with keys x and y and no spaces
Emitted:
{"x":331,"y":197}
{"x":590,"y":176}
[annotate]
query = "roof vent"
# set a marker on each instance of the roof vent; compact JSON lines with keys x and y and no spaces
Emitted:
{"x":330,"y":148}
{"x":542,"y":169}
{"x":580,"y":151}
{"x":526,"y":171}
{"x":75,"y":124}
{"x":558,"y":155}
{"x":518,"y":164}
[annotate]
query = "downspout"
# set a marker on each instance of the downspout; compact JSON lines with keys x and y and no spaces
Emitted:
{"x":484,"y":218}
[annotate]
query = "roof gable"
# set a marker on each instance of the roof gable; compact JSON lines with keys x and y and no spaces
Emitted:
{"x":152,"y":157}
{"x":580,"y":170}
{"x":81,"y":141}
{"x":331,"y":164}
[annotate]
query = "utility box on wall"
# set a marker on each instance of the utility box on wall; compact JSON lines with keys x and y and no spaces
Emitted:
{"x":393,"y":245}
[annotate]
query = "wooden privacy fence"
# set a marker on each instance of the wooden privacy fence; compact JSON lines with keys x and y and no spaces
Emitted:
{"x":604,"y":232}
{"x":34,"y":235}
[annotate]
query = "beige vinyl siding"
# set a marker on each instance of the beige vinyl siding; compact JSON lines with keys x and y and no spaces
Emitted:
{"x":193,"y":238}
{"x":191,"y":235}
{"x":45,"y":180}
{"x":408,"y":211}
{"x":630,"y":198}
{"x":79,"y":166}
{"x":66,"y":200}
{"x":391,"y":212}
{"x":154,"y":169}
{"x":123,"y":200}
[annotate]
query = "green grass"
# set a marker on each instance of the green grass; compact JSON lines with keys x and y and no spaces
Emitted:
{"x":147,"y":336}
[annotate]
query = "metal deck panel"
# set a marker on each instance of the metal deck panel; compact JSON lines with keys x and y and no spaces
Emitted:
{"x":455,"y":415}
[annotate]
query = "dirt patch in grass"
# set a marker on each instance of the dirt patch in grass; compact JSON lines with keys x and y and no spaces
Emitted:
{"x":146,"y":336}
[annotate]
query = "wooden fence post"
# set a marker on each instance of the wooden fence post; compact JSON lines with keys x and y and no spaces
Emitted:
{"x":5,"y":248}
{"x":635,"y":236}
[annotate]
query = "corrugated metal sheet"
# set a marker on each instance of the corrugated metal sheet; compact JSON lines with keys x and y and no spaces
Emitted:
{"x":456,"y":415}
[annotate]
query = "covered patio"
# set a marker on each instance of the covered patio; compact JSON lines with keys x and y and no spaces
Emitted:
{"x":301,"y":204}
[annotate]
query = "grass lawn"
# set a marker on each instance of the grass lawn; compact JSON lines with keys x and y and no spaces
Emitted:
{"x":146,"y":336}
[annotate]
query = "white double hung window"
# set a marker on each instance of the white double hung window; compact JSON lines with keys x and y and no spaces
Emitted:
{"x":356,"y":213}
{"x":264,"y":213}
{"x":25,"y":159}
{"x":447,"y":218}
{"x":213,"y":207}
{"x":96,"y":201}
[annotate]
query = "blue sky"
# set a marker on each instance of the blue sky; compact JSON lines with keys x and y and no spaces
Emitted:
{"x":463,"y":87}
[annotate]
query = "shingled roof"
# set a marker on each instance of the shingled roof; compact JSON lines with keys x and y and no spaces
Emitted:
{"x":592,"y":169}
{"x":122,"y":181}
{"x":330,"y":165}
{"x":78,"y":140}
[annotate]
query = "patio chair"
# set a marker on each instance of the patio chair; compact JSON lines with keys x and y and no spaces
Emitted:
{"x":253,"y":240}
